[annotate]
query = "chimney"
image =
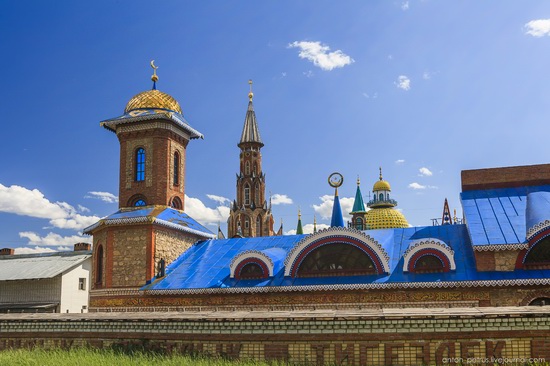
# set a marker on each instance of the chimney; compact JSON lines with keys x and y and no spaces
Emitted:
{"x":82,"y":246}
{"x":7,"y":251}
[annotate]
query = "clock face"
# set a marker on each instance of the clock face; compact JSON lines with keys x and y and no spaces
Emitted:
{"x":335,"y":180}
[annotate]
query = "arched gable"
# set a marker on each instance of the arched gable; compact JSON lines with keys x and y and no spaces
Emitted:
{"x":429,"y":246}
{"x":337,"y":235}
{"x":251,"y":256}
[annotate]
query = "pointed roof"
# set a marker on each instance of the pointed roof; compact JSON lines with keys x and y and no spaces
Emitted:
{"x":280,"y":231}
{"x":299,"y":229}
{"x":337,"y":218}
{"x":251,"y":132}
{"x":446,"y":219}
{"x":358,"y":204}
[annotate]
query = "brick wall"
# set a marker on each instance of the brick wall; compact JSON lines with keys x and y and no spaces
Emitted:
{"x":169,"y":244}
{"x":515,"y":176}
{"x":375,"y":337}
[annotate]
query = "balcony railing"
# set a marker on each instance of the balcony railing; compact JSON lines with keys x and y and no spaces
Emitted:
{"x":386,"y":202}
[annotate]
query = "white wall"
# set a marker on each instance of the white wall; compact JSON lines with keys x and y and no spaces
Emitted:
{"x":72,"y":298}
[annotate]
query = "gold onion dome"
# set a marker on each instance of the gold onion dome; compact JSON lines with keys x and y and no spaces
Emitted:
{"x":153,"y":99}
{"x":385,"y":218}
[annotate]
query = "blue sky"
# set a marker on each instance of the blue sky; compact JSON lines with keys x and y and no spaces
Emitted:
{"x":424,"y":89}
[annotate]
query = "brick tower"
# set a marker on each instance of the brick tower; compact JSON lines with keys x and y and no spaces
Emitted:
{"x":150,"y":230}
{"x":250,"y":214}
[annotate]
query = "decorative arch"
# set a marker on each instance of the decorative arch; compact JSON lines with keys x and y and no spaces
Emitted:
{"x":176,"y":203}
{"x":537,"y":255}
{"x":337,"y":235}
{"x":429,"y":251}
{"x":139,"y":164}
{"x":536,"y":298}
{"x":137,"y":200}
{"x":251,"y":258}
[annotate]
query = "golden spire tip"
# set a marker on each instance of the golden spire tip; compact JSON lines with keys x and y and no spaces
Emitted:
{"x":250,"y":94}
{"x":154,"y":77}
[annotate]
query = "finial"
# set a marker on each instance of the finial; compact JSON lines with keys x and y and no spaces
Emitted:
{"x":314,"y":219}
{"x":250,"y":94}
{"x":358,"y":181}
{"x":154,"y":77}
{"x":299,"y":213}
{"x":380,"y":173}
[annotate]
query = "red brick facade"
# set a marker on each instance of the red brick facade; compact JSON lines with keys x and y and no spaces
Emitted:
{"x":515,"y":176}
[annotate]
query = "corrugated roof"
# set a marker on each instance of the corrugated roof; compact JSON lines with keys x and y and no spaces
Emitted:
{"x":39,"y":266}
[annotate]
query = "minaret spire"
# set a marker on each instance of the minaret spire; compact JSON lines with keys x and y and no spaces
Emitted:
{"x":299,"y":229}
{"x":251,"y":132}
{"x":154,"y":77}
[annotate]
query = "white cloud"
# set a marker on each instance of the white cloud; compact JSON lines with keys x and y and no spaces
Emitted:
{"x":327,"y":201}
{"x":319,"y":54}
{"x":35,"y":250}
{"x":53,"y":239}
{"x":221,"y":200}
{"x":400,"y":161}
{"x":205,"y":215}
{"x":281,"y":199}
{"x":83,"y":209}
{"x":405,"y":6}
{"x":308,"y":74}
{"x":104,"y":196}
{"x":403,"y":82}
{"x":538,"y":28}
{"x":374,"y":96}
{"x":308,"y":229}
{"x":418,"y":186}
{"x":25,"y":202}
{"x":283,"y":74}
{"x":425,"y":172}
{"x":426,"y":75}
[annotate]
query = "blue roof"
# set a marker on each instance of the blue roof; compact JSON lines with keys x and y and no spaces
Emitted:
{"x":498,"y":216}
{"x":207,"y":263}
{"x":159,"y":214}
{"x":337,"y":218}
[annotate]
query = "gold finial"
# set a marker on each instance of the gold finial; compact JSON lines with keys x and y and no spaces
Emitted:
{"x":250,"y":94}
{"x":380,"y":173}
{"x":358,"y":181}
{"x":314,"y":219}
{"x":154,"y":77}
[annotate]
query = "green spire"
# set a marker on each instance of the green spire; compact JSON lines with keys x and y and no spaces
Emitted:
{"x":358,"y":205}
{"x":299,"y":229}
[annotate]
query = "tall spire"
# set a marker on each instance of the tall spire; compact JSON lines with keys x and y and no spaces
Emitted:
{"x":446,"y":219}
{"x":358,"y":204}
{"x":314,"y":224}
{"x":299,"y":229}
{"x":251,"y":132}
{"x":335,"y":180}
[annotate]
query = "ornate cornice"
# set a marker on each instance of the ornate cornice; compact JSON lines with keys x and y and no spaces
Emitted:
{"x":425,"y":244}
{"x":256,"y":254}
{"x":499,"y":247}
{"x":538,"y":228}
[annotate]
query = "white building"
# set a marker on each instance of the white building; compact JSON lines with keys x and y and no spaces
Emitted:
{"x":51,"y":282}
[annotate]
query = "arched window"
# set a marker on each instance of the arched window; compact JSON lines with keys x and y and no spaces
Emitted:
{"x":246,"y":223}
{"x":258,"y":226}
{"x":140,"y":202}
{"x":99,"y":266}
{"x":175,"y":202}
{"x":538,"y":256}
{"x":257,"y":194}
{"x":336,"y":260}
{"x":176,"y":168}
{"x":247,"y":194}
{"x":359,"y":223}
{"x":140,"y":165}
{"x":251,"y":271}
{"x":255,"y":168}
{"x":428,"y":264}
{"x":247,"y":168}
{"x":381,"y":196}
{"x":137,"y":201}
{"x":540,"y":301}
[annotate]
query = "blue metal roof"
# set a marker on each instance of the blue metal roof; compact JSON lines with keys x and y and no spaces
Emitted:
{"x":207,"y":263}
{"x":159,"y":214}
{"x":498,"y":216}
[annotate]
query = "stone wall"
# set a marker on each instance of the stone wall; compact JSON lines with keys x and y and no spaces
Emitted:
{"x":498,"y":260}
{"x":373,"y":337}
{"x":170,"y":244}
{"x":129,"y":256}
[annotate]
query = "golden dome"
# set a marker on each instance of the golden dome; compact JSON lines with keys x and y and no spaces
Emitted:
{"x":153,"y":99}
{"x":381,"y":185}
{"x":385,"y":218}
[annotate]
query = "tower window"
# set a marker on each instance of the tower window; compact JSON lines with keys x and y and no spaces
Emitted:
{"x":176,"y":203}
{"x":176,"y":168}
{"x":247,"y":168}
{"x":257,"y":194}
{"x":99,"y":265}
{"x":140,"y":165}
{"x":140,"y":202}
{"x":247,"y":195}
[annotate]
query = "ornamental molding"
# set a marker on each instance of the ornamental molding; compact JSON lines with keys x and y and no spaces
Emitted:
{"x":428,"y":243}
{"x":251,"y":254}
{"x":337,"y":232}
{"x":498,"y":247}
{"x":363,"y":286}
{"x":537,"y":228}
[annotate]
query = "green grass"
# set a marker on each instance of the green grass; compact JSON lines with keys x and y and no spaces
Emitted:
{"x":92,"y":357}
